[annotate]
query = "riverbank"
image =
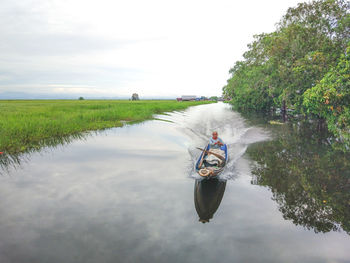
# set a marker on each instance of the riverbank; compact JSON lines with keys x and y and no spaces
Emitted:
{"x":31,"y":124}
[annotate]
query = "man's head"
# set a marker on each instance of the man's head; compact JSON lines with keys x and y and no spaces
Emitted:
{"x":215,"y":135}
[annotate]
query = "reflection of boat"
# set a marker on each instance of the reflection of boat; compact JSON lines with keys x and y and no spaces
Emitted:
{"x":207,"y":197}
{"x":209,"y":170}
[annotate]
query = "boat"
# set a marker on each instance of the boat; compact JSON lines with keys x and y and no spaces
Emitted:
{"x":207,"y":170}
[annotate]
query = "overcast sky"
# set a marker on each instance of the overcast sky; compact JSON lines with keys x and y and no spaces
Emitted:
{"x":110,"y":48}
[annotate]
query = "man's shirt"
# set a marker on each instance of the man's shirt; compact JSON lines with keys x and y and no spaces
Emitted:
{"x":212,"y":143}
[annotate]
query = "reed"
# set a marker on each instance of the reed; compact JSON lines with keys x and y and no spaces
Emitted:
{"x":31,"y":124}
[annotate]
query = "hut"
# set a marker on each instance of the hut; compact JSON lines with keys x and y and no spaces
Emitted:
{"x":188,"y":97}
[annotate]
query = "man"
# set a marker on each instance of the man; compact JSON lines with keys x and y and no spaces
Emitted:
{"x":215,"y":142}
{"x":214,"y":146}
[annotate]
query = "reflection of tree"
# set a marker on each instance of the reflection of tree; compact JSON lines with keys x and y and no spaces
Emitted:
{"x":309,"y":180}
{"x":207,"y":197}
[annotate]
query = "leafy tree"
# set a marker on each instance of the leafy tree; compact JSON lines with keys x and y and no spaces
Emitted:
{"x":279,"y":67}
{"x":282,"y":65}
{"x":250,"y":82}
{"x":313,"y":38}
{"x":330,"y":99}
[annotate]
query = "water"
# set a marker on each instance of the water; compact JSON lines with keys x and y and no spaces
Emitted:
{"x":131,"y":195}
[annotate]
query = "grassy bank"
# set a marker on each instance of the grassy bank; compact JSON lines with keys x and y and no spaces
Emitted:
{"x":31,"y":124}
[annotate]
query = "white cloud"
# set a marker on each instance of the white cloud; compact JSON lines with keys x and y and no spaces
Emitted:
{"x":151,"y":47}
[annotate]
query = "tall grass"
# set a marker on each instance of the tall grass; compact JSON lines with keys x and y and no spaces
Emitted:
{"x":31,"y":124}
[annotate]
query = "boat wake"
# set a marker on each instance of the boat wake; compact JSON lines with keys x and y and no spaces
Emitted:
{"x":198,"y":123}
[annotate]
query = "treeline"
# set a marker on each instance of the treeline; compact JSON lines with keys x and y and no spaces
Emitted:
{"x":303,"y":66}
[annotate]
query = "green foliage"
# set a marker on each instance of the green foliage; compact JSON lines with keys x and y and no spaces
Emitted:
{"x":26,"y":125}
{"x":281,"y":66}
{"x":330,"y":99}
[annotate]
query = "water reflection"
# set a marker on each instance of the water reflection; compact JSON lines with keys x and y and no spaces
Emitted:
{"x":7,"y":161}
{"x":309,"y":179}
{"x":126,"y":196}
{"x":207,"y":197}
{"x":13,"y":161}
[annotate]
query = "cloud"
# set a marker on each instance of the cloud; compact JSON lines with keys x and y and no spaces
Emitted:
{"x":150,"y":47}
{"x":40,"y":44}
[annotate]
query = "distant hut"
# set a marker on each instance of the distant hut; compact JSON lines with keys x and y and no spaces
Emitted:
{"x":188,"y":97}
{"x":135,"y":96}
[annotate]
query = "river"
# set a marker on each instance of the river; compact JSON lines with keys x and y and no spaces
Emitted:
{"x":131,"y":194}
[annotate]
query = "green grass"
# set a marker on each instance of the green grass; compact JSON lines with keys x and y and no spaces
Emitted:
{"x":32,"y":124}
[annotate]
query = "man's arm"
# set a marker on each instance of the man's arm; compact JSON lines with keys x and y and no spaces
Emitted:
{"x":220,"y":142}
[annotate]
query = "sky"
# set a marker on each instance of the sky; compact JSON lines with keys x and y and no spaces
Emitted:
{"x":113,"y":48}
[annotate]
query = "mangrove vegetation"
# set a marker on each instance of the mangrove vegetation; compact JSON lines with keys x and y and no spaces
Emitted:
{"x":301,"y":69}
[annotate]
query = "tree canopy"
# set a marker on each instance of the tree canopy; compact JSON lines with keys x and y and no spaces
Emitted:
{"x":297,"y":64}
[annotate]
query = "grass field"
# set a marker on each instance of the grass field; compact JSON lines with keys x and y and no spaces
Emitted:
{"x":32,"y":124}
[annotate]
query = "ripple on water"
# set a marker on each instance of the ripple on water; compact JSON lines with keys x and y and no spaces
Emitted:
{"x":198,"y":123}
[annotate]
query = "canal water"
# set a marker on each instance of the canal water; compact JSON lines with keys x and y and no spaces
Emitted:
{"x":131,"y":194}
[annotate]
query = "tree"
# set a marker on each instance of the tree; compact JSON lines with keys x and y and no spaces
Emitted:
{"x":280,"y":66}
{"x":135,"y":96}
{"x":330,"y":99}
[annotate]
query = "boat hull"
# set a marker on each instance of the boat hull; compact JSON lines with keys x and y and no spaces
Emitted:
{"x":208,"y":171}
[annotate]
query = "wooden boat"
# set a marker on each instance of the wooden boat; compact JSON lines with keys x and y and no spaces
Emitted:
{"x":207,"y":170}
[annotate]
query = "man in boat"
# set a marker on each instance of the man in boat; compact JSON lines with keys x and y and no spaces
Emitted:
{"x":214,"y":159}
{"x":215,"y":142}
